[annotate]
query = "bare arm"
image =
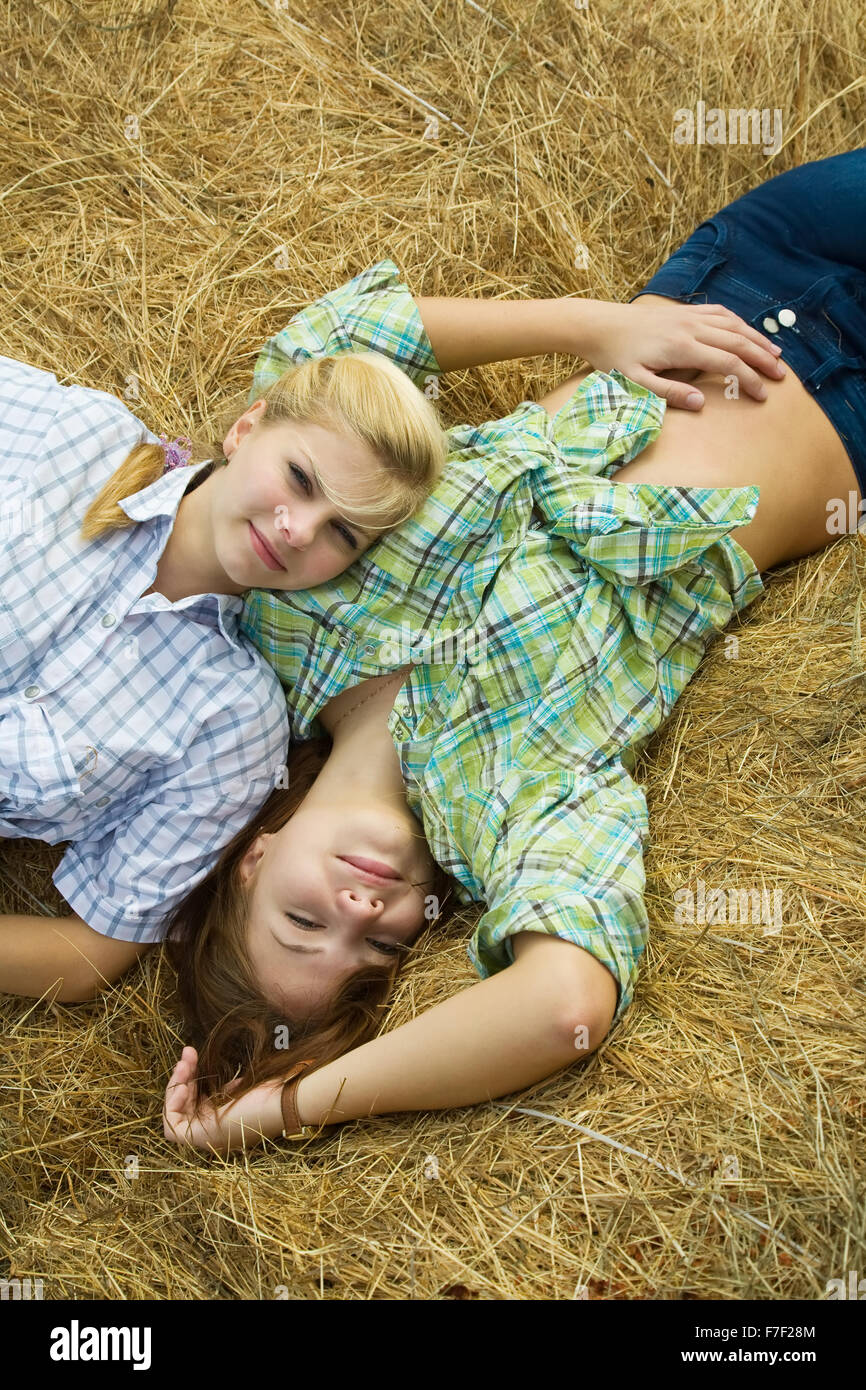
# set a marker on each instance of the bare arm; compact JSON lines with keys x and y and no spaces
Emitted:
{"x":60,"y":955}
{"x":497,"y":1036}
{"x":468,"y":332}
{"x":645,"y":340}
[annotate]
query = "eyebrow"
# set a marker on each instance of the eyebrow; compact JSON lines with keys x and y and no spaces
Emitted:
{"x":309,"y":950}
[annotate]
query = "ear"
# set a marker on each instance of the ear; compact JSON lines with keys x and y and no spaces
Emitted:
{"x":250,"y":861}
{"x":243,"y":425}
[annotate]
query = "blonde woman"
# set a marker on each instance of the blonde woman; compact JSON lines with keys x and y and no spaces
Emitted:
{"x":137,"y":721}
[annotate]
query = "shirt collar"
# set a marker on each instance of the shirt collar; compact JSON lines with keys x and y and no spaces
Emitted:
{"x":161,"y":498}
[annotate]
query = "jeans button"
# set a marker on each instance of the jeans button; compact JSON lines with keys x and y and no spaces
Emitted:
{"x":771,"y":325}
{"x":787,"y":318}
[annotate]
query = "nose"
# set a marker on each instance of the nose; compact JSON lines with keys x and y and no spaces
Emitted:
{"x":297,"y":528}
{"x":361,"y":905}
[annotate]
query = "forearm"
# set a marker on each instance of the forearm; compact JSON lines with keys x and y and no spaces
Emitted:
{"x":552,"y":1006}
{"x":37,"y":953}
{"x":499,"y":1035}
{"x":62,"y":955}
{"x":468,"y":332}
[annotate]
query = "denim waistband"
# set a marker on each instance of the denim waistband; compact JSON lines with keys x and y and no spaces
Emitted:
{"x":814,"y":307}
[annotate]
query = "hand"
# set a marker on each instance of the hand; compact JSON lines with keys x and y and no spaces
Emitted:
{"x":646,"y":337}
{"x":241,"y":1123}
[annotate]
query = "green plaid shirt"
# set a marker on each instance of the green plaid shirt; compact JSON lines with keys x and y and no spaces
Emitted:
{"x":552,"y":617}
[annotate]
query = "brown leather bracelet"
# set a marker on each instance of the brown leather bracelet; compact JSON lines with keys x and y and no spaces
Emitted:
{"x":292,"y":1127}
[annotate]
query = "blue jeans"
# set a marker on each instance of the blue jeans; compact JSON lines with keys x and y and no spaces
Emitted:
{"x":790,"y":258}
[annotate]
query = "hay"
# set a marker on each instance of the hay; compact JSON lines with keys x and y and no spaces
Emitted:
{"x":712,"y":1148}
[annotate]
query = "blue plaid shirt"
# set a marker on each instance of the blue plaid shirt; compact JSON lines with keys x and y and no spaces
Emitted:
{"x":145,"y":732}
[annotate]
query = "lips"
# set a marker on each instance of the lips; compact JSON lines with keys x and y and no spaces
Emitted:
{"x":264,"y":551}
{"x":372,"y":868}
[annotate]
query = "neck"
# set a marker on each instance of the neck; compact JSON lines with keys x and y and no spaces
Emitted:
{"x":188,"y":564}
{"x":362,"y":754}
{"x":354,"y":713}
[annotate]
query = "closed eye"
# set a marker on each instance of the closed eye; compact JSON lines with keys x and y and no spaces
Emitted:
{"x":382,"y":946}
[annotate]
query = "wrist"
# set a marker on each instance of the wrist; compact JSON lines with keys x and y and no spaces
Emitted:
{"x":582,"y":328}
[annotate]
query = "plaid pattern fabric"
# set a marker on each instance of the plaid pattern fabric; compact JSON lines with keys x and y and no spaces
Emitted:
{"x":552,"y":617}
{"x":144,"y":732}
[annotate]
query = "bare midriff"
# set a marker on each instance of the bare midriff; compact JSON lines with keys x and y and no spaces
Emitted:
{"x":784,"y":444}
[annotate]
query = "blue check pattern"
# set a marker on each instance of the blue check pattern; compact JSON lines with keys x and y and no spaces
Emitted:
{"x":143,"y":732}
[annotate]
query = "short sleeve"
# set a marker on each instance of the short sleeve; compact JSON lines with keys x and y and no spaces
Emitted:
{"x":126,"y":881}
{"x":373,"y":312}
{"x":572,"y":866}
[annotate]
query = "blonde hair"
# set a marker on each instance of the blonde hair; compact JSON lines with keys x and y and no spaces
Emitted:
{"x":361,"y":394}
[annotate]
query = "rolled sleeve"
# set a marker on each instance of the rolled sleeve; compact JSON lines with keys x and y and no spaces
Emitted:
{"x":373,"y":312}
{"x":126,"y":881}
{"x":574,"y":870}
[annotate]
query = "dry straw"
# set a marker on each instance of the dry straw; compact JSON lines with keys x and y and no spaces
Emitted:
{"x":177,"y":180}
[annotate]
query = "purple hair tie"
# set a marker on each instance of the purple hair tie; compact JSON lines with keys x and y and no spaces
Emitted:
{"x":175,"y":456}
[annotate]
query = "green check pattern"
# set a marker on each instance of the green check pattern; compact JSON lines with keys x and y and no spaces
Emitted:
{"x":552,"y":617}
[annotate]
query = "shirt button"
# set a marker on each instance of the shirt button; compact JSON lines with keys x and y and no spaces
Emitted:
{"x":787,"y":318}
{"x":108,"y":620}
{"x":370,"y":648}
{"x":771,"y":325}
{"x":31,"y":692}
{"x":344,"y":642}
{"x":103,"y":801}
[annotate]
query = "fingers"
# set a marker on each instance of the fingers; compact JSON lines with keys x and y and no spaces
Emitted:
{"x":174,"y":1118}
{"x":734,"y":324}
{"x":743,"y":349}
{"x":720,"y":361}
{"x":680,"y":394}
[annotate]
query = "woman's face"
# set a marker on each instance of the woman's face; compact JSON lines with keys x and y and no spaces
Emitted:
{"x":315,"y":915}
{"x":275,"y":529}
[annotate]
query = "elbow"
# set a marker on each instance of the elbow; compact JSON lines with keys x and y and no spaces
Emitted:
{"x":80,"y":987}
{"x":583,"y":1029}
{"x":585,"y":1017}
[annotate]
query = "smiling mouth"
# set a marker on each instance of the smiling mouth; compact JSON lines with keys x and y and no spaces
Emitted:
{"x":264,"y":551}
{"x":373,"y":870}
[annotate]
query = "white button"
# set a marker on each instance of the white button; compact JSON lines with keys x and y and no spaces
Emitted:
{"x":771,"y":325}
{"x":31,"y":692}
{"x":787,"y":317}
{"x":108,"y":620}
